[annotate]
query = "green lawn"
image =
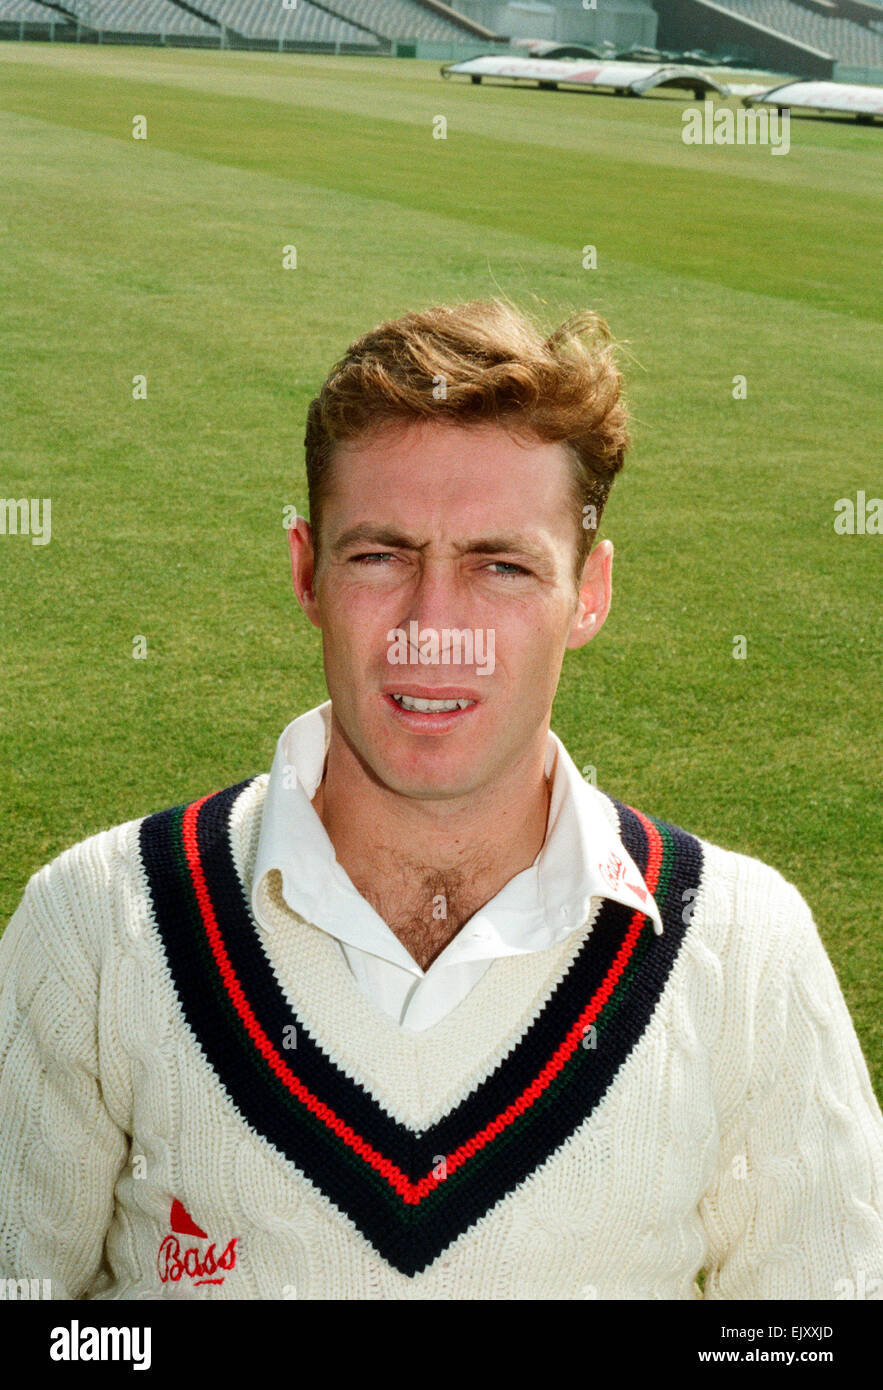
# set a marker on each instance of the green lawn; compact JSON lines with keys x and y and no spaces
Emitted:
{"x":164,"y":257}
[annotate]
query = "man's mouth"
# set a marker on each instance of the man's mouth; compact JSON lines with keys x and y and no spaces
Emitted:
{"x":423,"y":709}
{"x":411,"y":702}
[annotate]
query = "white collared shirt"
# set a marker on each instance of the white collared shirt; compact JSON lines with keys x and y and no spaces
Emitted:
{"x":582,"y":859}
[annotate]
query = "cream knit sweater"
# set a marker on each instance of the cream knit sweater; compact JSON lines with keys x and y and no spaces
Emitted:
{"x":191,"y":1107}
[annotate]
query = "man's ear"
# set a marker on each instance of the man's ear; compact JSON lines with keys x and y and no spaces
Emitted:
{"x":595,"y":592}
{"x":303,"y":560}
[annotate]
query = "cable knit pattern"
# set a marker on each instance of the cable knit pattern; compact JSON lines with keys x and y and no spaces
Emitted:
{"x":739,"y":1133}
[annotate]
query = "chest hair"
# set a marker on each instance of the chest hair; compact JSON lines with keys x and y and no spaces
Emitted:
{"x":426,"y":908}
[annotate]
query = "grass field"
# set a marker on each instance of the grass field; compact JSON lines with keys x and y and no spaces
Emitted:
{"x":164,"y":257}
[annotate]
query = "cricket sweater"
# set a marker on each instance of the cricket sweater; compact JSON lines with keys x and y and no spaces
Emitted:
{"x":191,"y":1107}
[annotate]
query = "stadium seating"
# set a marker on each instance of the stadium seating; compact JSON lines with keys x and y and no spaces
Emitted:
{"x":27,"y":12}
{"x":137,"y":16}
{"x":399,"y":19}
{"x":251,"y":19}
{"x":841,"y":38}
{"x":268,"y":19}
{"x":376,"y":25}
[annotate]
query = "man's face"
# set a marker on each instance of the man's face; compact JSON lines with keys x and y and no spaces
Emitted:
{"x":429,"y":528}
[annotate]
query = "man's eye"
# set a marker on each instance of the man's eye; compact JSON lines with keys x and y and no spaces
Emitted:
{"x":505,"y":567}
{"x":372,"y":557}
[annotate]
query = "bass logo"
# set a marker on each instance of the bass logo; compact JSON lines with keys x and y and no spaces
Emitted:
{"x":198,"y":1264}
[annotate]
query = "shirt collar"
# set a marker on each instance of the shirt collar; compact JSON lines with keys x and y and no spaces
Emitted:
{"x":582,"y":858}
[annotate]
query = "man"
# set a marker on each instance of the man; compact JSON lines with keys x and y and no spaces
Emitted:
{"x":422,"y":1013}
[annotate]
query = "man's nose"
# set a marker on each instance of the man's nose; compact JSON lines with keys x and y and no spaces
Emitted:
{"x":439,"y":598}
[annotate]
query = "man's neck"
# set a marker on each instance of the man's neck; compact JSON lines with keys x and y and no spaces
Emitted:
{"x":403,"y":853}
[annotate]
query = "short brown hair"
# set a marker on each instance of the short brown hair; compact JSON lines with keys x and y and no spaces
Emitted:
{"x":484,"y":362}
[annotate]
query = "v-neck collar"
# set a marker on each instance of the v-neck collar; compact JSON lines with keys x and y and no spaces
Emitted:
{"x":410,"y":1192}
{"x":582,"y":859}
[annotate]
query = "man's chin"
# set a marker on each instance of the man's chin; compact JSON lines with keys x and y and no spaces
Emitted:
{"x":435,"y":790}
{"x":428,"y":774}
{"x":431,"y":778}
{"x":444,"y":766}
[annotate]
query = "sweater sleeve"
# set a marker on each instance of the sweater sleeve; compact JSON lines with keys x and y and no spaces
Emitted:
{"x":60,"y":1150}
{"x":796,"y":1209}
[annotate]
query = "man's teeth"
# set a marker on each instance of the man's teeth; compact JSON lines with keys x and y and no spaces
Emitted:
{"x":430,"y":706}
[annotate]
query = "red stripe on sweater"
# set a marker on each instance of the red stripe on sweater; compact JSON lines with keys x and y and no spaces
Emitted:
{"x":572,"y":1040}
{"x":411,"y":1193}
{"x":390,"y":1171}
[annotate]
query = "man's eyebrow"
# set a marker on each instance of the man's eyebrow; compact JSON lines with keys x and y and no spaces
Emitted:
{"x":365,"y":534}
{"x":504,"y":544}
